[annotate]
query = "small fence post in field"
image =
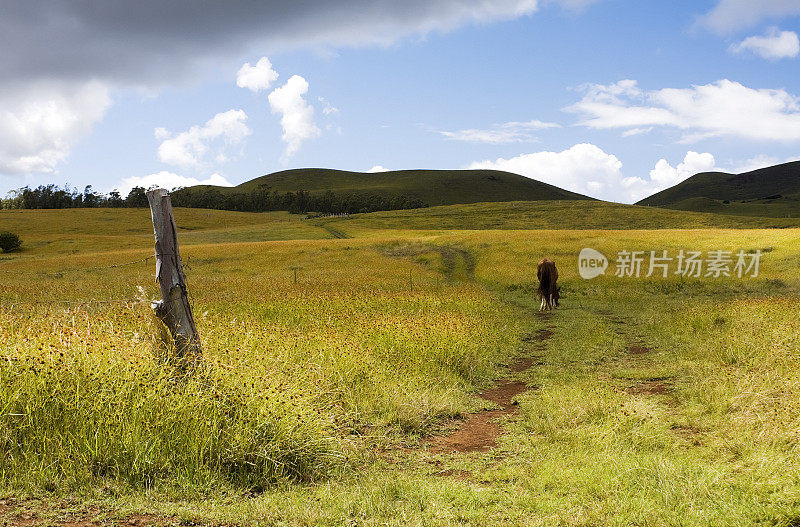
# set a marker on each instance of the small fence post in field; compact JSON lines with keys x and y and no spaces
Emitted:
{"x":173,"y":309}
{"x":295,"y":268}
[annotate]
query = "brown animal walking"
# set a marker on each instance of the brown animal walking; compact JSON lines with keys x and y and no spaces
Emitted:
{"x":547,"y":274}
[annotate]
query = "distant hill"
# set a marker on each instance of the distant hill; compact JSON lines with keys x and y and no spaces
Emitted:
{"x":768,"y":192}
{"x":409,"y":187}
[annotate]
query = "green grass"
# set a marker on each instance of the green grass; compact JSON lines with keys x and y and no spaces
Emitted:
{"x":313,"y":396}
{"x":434,"y":187}
{"x":786,"y":206}
{"x":73,"y":231}
{"x":526,"y":215}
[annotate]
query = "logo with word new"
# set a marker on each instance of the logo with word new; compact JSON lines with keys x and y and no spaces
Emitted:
{"x":591,"y":263}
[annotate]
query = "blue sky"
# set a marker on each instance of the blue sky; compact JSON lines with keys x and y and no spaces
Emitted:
{"x":615,"y":99}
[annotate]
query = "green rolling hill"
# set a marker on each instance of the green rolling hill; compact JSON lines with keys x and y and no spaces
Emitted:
{"x":768,"y":192}
{"x":432,"y":187}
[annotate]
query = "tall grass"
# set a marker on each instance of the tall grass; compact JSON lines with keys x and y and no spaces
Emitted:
{"x":81,"y":405}
{"x":295,"y":377}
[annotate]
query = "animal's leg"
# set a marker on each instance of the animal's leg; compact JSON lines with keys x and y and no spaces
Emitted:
{"x":541,"y":306}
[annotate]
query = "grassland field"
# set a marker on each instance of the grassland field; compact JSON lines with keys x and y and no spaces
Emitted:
{"x":654,"y":401}
{"x":560,"y":215}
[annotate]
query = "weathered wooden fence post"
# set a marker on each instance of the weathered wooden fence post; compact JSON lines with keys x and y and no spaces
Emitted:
{"x":173,"y":309}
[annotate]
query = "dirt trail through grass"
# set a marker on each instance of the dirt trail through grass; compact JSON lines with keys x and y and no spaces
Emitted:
{"x":34,"y":513}
{"x":481,"y":430}
{"x":661,"y":389}
{"x":333,"y":231}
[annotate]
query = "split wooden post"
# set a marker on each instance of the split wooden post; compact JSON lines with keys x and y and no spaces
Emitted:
{"x":173,"y":309}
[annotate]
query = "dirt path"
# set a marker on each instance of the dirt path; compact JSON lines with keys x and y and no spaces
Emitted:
{"x":35,"y":513}
{"x":638,"y":352}
{"x":333,"y":231}
{"x":481,"y":430}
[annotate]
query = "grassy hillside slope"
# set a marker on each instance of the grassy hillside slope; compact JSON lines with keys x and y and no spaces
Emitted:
{"x":772,"y":191}
{"x":434,"y":187}
{"x":547,"y":215}
{"x":70,"y":231}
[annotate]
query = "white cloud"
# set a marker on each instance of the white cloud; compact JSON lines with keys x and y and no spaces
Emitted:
{"x":773,"y":45}
{"x":511,"y":132}
{"x":636,"y":131}
{"x":665,"y":175}
{"x":575,"y":5}
{"x":724,"y":108}
{"x":40,"y":122}
{"x":297,"y":116}
{"x":258,"y":77}
{"x":188,"y":149}
{"x":583,"y":168}
{"x":378,"y":168}
{"x":169,"y":180}
{"x":759,"y":161}
{"x":161,"y":133}
{"x":328,"y":109}
{"x":587,"y":169}
{"x":730,"y":15}
{"x":754,"y":163}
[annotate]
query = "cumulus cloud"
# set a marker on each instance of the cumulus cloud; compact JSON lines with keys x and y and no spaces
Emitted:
{"x":665,"y":175}
{"x":773,"y":45}
{"x":169,"y":180}
{"x":258,"y":77}
{"x":377,"y":168}
{"x":723,"y":108}
{"x":511,"y":132}
{"x":583,"y":168}
{"x":188,"y":149}
{"x":297,"y":116}
{"x":587,"y":169}
{"x":40,"y":122}
{"x":730,"y":15}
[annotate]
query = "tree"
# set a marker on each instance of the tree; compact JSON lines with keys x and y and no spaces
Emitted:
{"x":114,"y":199}
{"x":89,"y":197}
{"x":137,"y":198}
